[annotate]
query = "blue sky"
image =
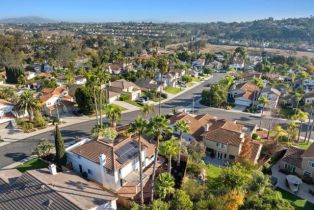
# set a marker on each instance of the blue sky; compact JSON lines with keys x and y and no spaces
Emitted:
{"x":157,"y":10}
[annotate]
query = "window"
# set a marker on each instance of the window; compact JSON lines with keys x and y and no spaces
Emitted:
{"x":311,"y":164}
{"x":89,"y":171}
{"x":307,"y":174}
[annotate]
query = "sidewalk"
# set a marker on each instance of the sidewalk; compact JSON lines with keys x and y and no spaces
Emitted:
{"x":126,"y":105}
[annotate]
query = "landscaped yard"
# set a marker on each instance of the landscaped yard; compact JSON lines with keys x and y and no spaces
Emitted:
{"x":213,"y":171}
{"x":120,"y":107}
{"x":286,"y":113}
{"x":303,"y":145}
{"x":134,"y":103}
{"x":297,"y":202}
{"x":32,"y":164}
{"x":173,"y":90}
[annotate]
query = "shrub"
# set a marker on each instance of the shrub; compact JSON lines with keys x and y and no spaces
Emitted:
{"x":254,"y":136}
{"x":39,"y":121}
{"x":26,"y":126}
{"x":125,"y":98}
{"x":195,"y":168}
{"x":164,"y":95}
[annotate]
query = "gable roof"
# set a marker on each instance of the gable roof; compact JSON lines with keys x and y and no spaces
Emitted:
{"x":225,"y":132}
{"x":122,"y":84}
{"x":28,"y":193}
{"x":293,"y":156}
{"x":249,"y":90}
{"x":47,"y":93}
{"x":309,"y":152}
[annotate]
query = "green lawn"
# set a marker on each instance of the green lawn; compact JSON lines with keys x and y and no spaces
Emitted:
{"x":213,"y":171}
{"x":120,"y":107}
{"x":196,"y":79}
{"x":32,"y":164}
{"x":303,"y":145}
{"x":134,"y":103}
{"x":295,"y":201}
{"x":173,"y":90}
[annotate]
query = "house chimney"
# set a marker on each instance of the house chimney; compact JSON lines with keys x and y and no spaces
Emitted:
{"x":53,"y":169}
{"x":102,"y":162}
{"x":207,"y":127}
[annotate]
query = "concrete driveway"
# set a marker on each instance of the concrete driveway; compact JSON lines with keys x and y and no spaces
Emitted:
{"x":304,"y":188}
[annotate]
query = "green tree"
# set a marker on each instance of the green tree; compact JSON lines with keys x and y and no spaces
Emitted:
{"x":278,"y":132}
{"x":292,"y":131}
{"x":43,"y":148}
{"x":301,"y":117}
{"x":113,"y":114}
{"x":108,"y":133}
{"x":85,"y":100}
{"x":60,"y":150}
{"x":156,"y":127}
{"x":138,"y":126}
{"x":181,"y":201}
{"x":262,"y":101}
{"x":159,"y":205}
{"x":13,"y":74}
{"x":49,"y":83}
{"x":163,"y":68}
{"x":27,"y":103}
{"x":181,"y":127}
{"x":147,"y":109}
{"x":215,"y":96}
{"x":169,"y":149}
{"x":164,"y":185}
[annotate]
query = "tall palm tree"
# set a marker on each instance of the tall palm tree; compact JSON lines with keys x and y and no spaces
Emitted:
{"x":297,"y":97}
{"x":92,"y":82}
{"x":278,"y":132}
{"x":165,"y":185}
{"x":169,"y":149}
{"x":310,"y":107}
{"x":147,"y":109}
{"x":27,"y":102}
{"x":263,"y":101}
{"x":181,"y":127}
{"x":114,"y":114}
{"x":156,"y":127}
{"x":292,"y":131}
{"x":138,"y":126}
{"x":163,"y":68}
{"x":301,"y":117}
{"x":103,"y":78}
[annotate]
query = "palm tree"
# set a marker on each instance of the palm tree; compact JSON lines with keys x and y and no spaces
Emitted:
{"x":163,"y":68}
{"x":27,"y":102}
{"x":181,"y":127}
{"x":260,"y":84}
{"x":114,"y":114}
{"x":297,"y":97}
{"x":292,"y":131}
{"x":310,"y":107}
{"x":147,"y":109}
{"x":92,"y":82}
{"x":169,"y":149}
{"x":138,"y":127}
{"x":103,"y":78}
{"x":156,"y":127}
{"x":165,"y":185}
{"x":263,"y":101}
{"x":278,"y":132}
{"x":302,"y":117}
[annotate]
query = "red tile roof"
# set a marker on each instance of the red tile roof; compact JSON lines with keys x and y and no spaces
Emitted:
{"x":293,"y":156}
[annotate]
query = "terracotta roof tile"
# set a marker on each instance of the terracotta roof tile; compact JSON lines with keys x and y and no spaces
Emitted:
{"x":293,"y":156}
{"x":309,"y":152}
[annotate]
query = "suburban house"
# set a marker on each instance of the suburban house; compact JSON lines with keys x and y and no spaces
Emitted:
{"x":125,"y":87}
{"x":56,"y":100}
{"x":113,"y":163}
{"x":309,"y":97}
{"x":244,"y":94}
{"x":169,"y":79}
{"x":215,"y":65}
{"x":80,"y":80}
{"x":7,"y":114}
{"x":224,"y":140}
{"x":299,"y":161}
{"x":49,"y":189}
{"x":272,"y":95}
{"x":115,"y":68}
{"x":196,"y":123}
{"x":237,"y":64}
{"x":308,"y":85}
{"x":198,"y":64}
{"x":250,"y":75}
{"x":148,"y":84}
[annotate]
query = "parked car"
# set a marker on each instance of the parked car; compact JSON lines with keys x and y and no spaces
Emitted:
{"x":142,"y":99}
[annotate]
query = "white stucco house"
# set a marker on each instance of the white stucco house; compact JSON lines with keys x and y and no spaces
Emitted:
{"x":244,"y":94}
{"x":113,"y":164}
{"x":7,"y":114}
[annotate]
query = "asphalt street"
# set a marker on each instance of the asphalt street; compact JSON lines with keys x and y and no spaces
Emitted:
{"x":19,"y":150}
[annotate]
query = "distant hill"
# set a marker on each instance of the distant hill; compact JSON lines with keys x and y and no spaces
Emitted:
{"x":27,"y":20}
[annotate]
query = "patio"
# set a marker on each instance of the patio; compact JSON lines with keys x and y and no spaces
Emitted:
{"x":215,"y":161}
{"x":304,"y":188}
